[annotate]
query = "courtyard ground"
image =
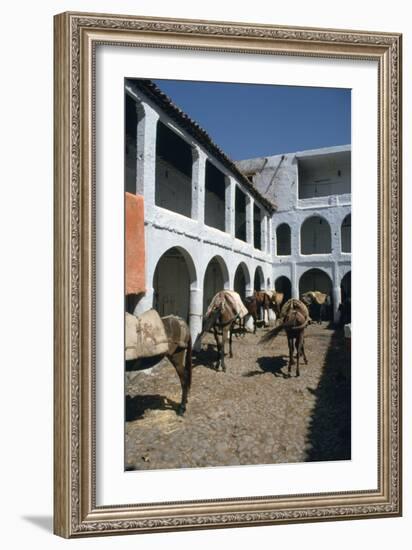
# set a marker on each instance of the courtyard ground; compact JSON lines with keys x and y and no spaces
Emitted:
{"x":250,"y":414}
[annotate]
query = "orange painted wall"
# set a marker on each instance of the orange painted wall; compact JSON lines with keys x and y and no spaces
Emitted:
{"x":135,"y":244}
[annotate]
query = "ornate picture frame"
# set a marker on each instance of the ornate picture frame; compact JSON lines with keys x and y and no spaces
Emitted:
{"x":76,"y":36}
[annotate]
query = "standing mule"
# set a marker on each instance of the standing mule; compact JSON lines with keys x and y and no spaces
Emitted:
{"x":224,"y":310}
{"x":265,"y":299}
{"x":253,"y":310}
{"x":264,"y":303}
{"x":294,"y":318}
{"x":150,"y":338}
{"x":315,"y":301}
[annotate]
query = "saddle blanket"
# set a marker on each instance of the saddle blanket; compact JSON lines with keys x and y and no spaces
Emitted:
{"x":318,"y":297}
{"x":295,"y":304}
{"x":228,"y":299}
{"x":145,"y":336}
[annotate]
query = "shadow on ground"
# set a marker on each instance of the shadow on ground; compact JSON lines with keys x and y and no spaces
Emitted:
{"x":135,"y":407}
{"x":206,"y":357}
{"x":273,"y":365}
{"x":329,"y":436}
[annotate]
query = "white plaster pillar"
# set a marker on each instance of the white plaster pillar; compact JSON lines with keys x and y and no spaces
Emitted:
{"x":336,"y":295}
{"x":295,"y":239}
{"x":336,"y":292}
{"x":294,"y":282}
{"x":270,"y":249}
{"x":146,"y":155}
{"x":335,"y":237}
{"x":198,"y":184}
{"x":230,"y":192}
{"x":249,"y":220}
{"x":264,"y":230}
{"x":196,"y":316}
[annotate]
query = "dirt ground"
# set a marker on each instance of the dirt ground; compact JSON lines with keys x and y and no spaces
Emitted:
{"x":251,"y":414}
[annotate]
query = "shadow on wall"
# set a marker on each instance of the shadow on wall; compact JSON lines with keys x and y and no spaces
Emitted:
{"x":329,"y":436}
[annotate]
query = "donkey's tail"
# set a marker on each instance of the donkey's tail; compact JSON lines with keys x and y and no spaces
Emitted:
{"x":188,"y":363}
{"x":271,"y":334}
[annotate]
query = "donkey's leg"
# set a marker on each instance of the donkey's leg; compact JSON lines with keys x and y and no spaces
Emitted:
{"x":290,"y":344}
{"x":219,"y":348}
{"x":178,"y":361}
{"x":230,"y":338}
{"x":222,"y":350}
{"x":298,"y":345}
{"x":303,"y":349}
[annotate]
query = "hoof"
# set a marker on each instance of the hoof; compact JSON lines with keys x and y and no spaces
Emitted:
{"x":181,"y":410}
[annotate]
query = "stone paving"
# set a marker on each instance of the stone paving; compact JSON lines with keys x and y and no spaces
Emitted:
{"x":251,"y":414}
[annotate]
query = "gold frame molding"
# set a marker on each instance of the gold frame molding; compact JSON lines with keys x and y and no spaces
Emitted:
{"x":75,"y":38}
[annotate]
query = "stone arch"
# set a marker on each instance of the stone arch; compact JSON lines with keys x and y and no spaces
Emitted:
{"x":173,"y":278}
{"x":283,"y":240}
{"x":346,"y":286}
{"x":284,"y":285}
{"x":318,"y":279}
{"x":259,"y":279}
{"x":315,"y":236}
{"x":216,"y":278}
{"x":242,"y":280}
{"x":345,"y":234}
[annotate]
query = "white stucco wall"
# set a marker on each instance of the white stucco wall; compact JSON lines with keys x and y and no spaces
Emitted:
{"x":277,"y":178}
{"x":198,"y":242}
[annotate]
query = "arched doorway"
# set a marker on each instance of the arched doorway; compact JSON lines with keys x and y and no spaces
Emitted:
{"x":317,"y":280}
{"x":283,"y":284}
{"x":345,"y":286}
{"x":174,"y":274}
{"x":345,"y":307}
{"x":259,"y":280}
{"x":315,"y":236}
{"x":216,"y":279}
{"x":242,"y":281}
{"x":283,"y":246}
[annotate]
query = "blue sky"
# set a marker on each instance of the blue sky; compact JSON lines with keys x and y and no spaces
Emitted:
{"x":251,"y":120}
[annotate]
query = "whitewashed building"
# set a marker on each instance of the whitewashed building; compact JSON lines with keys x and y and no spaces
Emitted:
{"x":206,"y":226}
{"x":279,"y":222}
{"x":311,"y":239}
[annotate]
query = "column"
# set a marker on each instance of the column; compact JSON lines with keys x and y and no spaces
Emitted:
{"x":295,"y":238}
{"x":336,"y":243}
{"x":270,"y":249}
{"x":230,"y":206}
{"x":336,"y":293}
{"x":196,"y":316}
{"x":146,"y":155}
{"x":294,"y":282}
{"x":198,"y":184}
{"x":264,"y":233}
{"x":249,"y":220}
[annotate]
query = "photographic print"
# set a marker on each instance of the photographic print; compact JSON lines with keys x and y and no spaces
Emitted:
{"x":237,"y":274}
{"x":206,"y":374}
